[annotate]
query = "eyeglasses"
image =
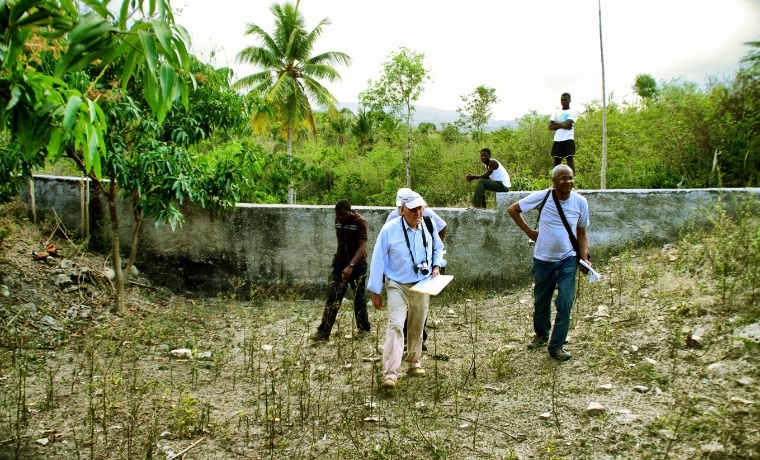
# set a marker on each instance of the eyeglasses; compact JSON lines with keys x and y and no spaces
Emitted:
{"x":565,"y":178}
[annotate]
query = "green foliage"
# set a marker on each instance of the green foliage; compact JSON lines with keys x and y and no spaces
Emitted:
{"x":645,"y":86}
{"x":686,"y":136}
{"x":363,"y":130}
{"x":727,"y":249}
{"x":477,"y":108}
{"x":187,"y":418}
{"x":45,"y":109}
{"x":682,"y":135}
{"x":402,"y":81}
{"x":96,"y":89}
{"x":426,"y":127}
{"x":398,"y":88}
{"x":291,"y":73}
{"x":450,"y":133}
{"x":213,"y":105}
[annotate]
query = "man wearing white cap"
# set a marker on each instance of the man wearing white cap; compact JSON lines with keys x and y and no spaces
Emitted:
{"x":405,"y":253}
{"x":438,"y":224}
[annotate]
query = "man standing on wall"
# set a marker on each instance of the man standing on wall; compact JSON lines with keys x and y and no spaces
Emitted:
{"x":555,"y":259}
{"x":495,"y":179}
{"x":562,"y":122}
{"x":405,"y":253}
{"x":349,"y":267}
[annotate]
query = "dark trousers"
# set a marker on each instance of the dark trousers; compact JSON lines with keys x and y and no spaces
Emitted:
{"x":479,"y":198}
{"x":547,"y":276}
{"x":337,"y":290}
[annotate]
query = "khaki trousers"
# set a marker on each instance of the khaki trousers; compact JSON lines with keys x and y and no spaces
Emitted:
{"x":403,"y":304}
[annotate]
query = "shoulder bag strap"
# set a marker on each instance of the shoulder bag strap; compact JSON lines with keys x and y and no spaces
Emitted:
{"x":573,"y":240}
{"x":541,"y":206}
{"x":429,"y":224}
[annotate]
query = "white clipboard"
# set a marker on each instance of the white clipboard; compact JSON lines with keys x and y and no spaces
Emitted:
{"x":432,"y":286}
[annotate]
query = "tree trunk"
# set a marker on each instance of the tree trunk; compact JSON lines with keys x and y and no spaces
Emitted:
{"x":118,"y":280}
{"x":84,"y":205}
{"x":291,"y":188}
{"x":408,"y":146}
{"x":32,"y":203}
{"x":87,"y":208}
{"x":603,"y":178}
{"x":133,"y":250}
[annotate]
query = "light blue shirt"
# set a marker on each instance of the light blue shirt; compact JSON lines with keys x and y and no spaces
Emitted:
{"x":392,"y":257}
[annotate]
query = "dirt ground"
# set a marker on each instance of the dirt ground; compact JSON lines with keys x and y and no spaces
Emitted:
{"x":662,"y":368}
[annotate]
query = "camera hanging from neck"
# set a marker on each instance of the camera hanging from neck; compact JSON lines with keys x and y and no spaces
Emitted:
{"x":409,"y":247}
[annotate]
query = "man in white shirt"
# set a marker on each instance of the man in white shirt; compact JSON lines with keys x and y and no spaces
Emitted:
{"x":405,"y":253}
{"x":562,"y":122}
{"x":555,"y":257}
{"x":495,"y":179}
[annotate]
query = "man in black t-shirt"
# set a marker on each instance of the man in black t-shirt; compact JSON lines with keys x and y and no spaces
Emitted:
{"x":349,"y":269}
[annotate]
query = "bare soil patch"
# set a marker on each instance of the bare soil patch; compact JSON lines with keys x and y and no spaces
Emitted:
{"x":661,"y":343}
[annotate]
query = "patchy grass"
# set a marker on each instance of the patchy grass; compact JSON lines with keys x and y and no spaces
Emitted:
{"x":105,"y":386}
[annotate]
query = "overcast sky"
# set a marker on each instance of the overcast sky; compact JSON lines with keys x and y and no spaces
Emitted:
{"x":529,"y":51}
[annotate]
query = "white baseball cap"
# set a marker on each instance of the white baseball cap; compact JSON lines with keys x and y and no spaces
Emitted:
{"x":413,"y":200}
{"x":401,"y":193}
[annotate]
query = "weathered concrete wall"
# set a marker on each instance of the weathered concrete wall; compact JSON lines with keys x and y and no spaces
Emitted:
{"x":284,"y":247}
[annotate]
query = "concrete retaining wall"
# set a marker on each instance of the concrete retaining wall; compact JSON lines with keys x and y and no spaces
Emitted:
{"x":291,"y":247}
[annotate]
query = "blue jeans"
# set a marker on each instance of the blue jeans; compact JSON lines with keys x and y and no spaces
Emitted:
{"x":547,"y":276}
{"x":358,"y":281}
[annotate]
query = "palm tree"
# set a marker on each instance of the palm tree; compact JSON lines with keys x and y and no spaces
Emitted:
{"x":364,"y":129}
{"x":340,"y":123}
{"x":290,"y":75}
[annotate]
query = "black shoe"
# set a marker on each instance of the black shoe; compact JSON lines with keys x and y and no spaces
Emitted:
{"x":559,"y":354}
{"x":538,"y":342}
{"x":360,"y":334}
{"x":318,"y":337}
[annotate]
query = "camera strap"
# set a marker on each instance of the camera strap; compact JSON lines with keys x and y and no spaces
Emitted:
{"x":409,"y":246}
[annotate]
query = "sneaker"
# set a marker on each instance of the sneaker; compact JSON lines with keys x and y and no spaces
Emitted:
{"x":318,"y":337}
{"x":538,"y":342}
{"x":417,"y":372}
{"x":388,"y":383}
{"x":560,"y":354}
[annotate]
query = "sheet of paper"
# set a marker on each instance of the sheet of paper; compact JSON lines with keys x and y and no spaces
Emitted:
{"x":433,"y":286}
{"x":593,"y":275}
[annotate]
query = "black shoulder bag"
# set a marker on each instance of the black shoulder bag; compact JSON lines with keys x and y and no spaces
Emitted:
{"x":429,"y":224}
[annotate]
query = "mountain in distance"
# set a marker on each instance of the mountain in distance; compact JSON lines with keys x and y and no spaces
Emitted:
{"x":437,"y":116}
